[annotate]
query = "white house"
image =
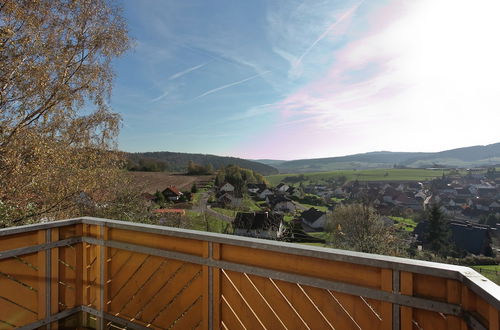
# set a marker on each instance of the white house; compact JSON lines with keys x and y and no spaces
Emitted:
{"x":227,"y":187}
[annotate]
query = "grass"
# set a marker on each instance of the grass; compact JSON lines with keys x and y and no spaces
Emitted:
{"x":393,"y":174}
{"x":320,"y":208}
{"x":492,"y":272}
{"x":319,"y":234}
{"x":229,"y":213}
{"x":407,"y":224}
{"x":250,"y":204}
{"x":206,"y":222}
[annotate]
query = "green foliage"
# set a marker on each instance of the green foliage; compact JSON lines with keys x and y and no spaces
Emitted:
{"x":178,"y":161}
{"x":146,"y":165}
{"x":407,"y":224}
{"x":238,"y":177}
{"x":194,"y":188}
{"x":312,"y":199}
{"x":438,"y":233}
{"x":160,"y":198}
{"x":490,"y":220}
{"x":197,"y":169}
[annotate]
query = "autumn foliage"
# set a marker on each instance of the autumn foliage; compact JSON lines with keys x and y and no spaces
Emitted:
{"x":57,"y":133}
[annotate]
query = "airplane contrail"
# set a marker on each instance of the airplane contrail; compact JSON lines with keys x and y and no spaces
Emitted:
{"x":325,"y":33}
{"x":180,"y":74}
{"x":231,"y":85}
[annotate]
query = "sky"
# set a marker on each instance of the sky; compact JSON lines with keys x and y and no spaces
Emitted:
{"x":287,"y":79}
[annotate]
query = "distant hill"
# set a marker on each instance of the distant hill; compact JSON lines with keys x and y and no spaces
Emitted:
{"x":475,"y":156}
{"x":178,"y":161}
{"x":271,"y":162}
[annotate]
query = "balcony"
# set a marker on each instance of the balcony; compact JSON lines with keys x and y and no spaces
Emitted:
{"x":102,"y":273}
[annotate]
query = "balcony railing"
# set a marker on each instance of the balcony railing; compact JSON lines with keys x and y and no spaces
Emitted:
{"x":143,"y":276}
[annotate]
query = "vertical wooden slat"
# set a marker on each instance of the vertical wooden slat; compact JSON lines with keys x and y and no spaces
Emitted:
{"x":102,"y":273}
{"x":206,"y":287}
{"x":466,"y":304}
{"x":494,"y":318}
{"x":453,"y":297}
{"x":85,"y":262}
{"x":79,"y":268}
{"x":406,"y":288}
{"x":41,"y":277}
{"x":54,"y":273}
{"x":386,"y":308}
{"x":216,"y":288}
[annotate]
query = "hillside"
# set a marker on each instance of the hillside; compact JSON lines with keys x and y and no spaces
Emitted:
{"x":178,"y":161}
{"x":462,"y":157}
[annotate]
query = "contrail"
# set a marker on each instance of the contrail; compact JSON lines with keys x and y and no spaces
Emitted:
{"x":325,"y":33}
{"x":180,"y":74}
{"x":230,"y":85}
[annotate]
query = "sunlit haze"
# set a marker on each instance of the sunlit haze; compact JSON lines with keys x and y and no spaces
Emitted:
{"x":305,"y":79}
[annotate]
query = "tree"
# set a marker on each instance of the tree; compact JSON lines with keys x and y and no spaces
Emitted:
{"x":194,"y":188}
{"x":437,"y":236}
{"x":55,"y":58}
{"x":358,"y":227}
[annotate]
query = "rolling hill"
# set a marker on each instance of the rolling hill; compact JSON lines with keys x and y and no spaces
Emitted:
{"x":178,"y":161}
{"x":462,"y":157}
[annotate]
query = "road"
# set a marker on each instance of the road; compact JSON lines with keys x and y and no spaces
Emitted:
{"x":204,"y":207}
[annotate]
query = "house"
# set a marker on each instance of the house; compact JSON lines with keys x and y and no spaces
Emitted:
{"x":295,"y":192}
{"x":473,"y":238}
{"x":313,"y":219}
{"x":228,"y":199}
{"x":280,"y":203}
{"x":227,"y":187}
{"x":172,"y":193}
{"x":263,"y":193}
{"x":253,"y":188}
{"x":282,"y":187}
{"x":259,"y":224}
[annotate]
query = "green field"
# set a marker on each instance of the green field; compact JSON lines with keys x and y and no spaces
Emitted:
{"x":490,"y":271}
{"x":407,"y":224}
{"x":393,"y":174}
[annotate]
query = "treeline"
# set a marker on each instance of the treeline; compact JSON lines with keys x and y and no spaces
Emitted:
{"x":178,"y":161}
{"x":197,"y":169}
{"x":146,"y":165}
{"x":238,"y":177}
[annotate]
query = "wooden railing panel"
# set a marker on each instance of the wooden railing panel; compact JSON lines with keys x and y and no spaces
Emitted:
{"x":165,"y":278}
{"x":16,"y":241}
{"x":177,"y":244}
{"x":427,"y":286}
{"x":314,"y":267}
{"x":18,"y":291}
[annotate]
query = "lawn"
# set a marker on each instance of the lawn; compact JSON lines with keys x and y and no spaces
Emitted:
{"x":490,"y":271}
{"x":320,"y":208}
{"x":392,"y":174}
{"x":229,"y":213}
{"x":407,"y":224}
{"x":250,"y":204}
{"x":206,"y":222}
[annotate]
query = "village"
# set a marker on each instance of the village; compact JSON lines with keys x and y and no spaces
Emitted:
{"x":298,"y":211}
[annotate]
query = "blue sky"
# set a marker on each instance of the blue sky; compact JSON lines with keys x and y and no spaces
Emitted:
{"x":286,"y":79}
